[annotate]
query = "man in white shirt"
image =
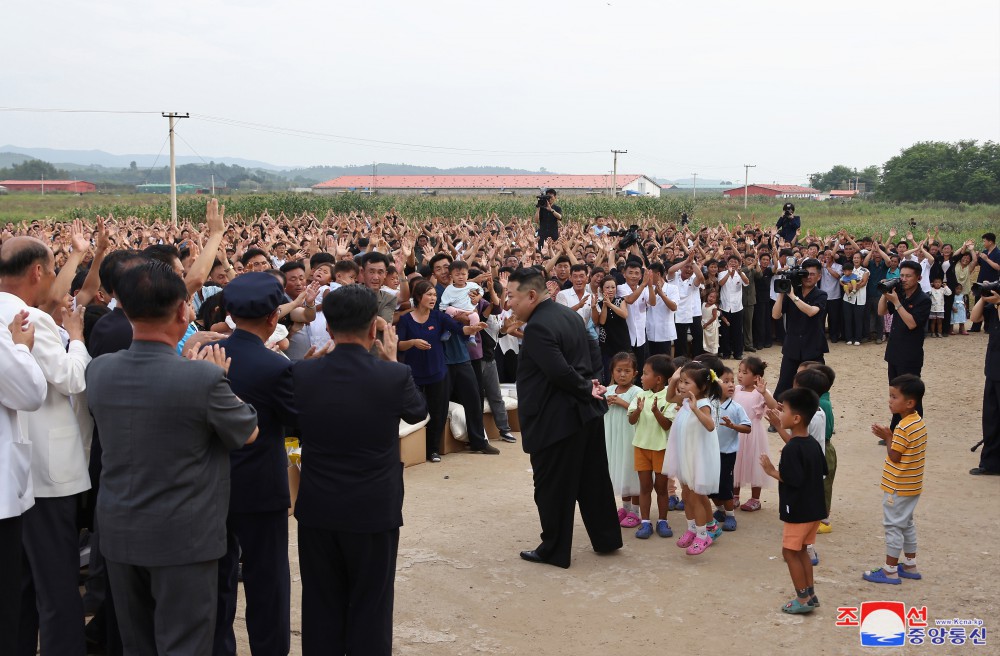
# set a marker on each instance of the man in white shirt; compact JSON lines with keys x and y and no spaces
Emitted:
{"x":22,"y":388}
{"x":731,"y":284}
{"x":686,"y":275}
{"x":60,"y":439}
{"x":579,"y":298}
{"x":635,"y":291}
{"x":660,"y":328}
{"x":830,"y":284}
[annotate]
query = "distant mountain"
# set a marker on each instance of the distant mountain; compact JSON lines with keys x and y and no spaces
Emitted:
{"x":702,"y":182}
{"x":10,"y":159}
{"x":101,"y":158}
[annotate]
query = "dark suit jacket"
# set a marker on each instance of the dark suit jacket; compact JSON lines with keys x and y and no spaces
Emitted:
{"x":350,"y":404}
{"x":554,"y":378}
{"x":111,"y":333}
{"x":167,"y":426}
{"x":263,"y":379}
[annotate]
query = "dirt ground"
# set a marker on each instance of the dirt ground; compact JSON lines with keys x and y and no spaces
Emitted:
{"x":462,"y":589}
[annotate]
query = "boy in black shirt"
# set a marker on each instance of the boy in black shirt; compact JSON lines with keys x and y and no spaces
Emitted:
{"x":800,"y":493}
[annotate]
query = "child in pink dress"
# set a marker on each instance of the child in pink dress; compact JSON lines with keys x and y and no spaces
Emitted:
{"x":752,"y":394}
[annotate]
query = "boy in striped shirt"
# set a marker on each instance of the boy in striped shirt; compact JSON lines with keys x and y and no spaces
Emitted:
{"x":902,"y":480}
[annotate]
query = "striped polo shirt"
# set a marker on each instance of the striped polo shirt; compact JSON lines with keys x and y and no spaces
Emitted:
{"x":906,"y":477}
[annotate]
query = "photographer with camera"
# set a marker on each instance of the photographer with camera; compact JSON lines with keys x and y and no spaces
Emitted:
{"x":910,"y":309}
{"x":802,"y":303}
{"x":986,"y":309}
{"x":989,"y":271}
{"x":547,"y":216}
{"x":788,"y":223}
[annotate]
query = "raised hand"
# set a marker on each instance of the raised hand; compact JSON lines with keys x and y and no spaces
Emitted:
{"x":77,"y":238}
{"x":22,"y":331}
{"x":72,"y":323}
{"x":215,"y":217}
{"x":387,"y":346}
{"x":214,"y":354}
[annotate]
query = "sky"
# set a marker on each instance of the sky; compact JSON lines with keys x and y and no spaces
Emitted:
{"x":791,"y":87}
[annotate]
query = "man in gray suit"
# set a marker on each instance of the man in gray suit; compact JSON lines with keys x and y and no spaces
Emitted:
{"x":167,"y":426}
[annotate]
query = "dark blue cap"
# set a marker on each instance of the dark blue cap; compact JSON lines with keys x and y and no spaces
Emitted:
{"x":253,"y":295}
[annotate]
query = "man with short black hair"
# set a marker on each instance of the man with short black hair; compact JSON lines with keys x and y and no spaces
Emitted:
{"x":350,"y":503}
{"x":989,"y":271}
{"x":910,"y":309}
{"x":562,"y":421}
{"x":165,"y":482}
{"x":548,"y":217}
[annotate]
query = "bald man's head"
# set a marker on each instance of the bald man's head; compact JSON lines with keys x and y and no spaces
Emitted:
{"x":20,"y":254}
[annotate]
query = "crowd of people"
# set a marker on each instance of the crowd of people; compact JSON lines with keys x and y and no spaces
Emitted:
{"x":152,"y":372}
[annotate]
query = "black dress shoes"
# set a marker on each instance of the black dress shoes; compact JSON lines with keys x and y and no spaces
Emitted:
{"x":532,"y":556}
{"x":976,"y":471}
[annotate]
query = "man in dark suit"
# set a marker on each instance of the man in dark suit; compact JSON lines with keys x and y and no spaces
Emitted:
{"x":803,"y":309}
{"x":167,"y":426}
{"x":258,"y":507}
{"x":350,"y":503}
{"x":562,"y":409}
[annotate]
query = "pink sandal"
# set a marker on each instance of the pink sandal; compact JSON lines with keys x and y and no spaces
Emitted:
{"x":621,"y":514}
{"x":751,"y":505}
{"x":631,"y":520}
{"x":685,"y":541}
{"x":699,"y":546}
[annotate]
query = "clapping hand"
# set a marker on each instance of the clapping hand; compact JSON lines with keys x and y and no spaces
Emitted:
{"x":882,"y":432}
{"x":728,"y":423}
{"x":767,"y":466}
{"x":773,"y":416}
{"x":314,"y":352}
{"x":212,"y":353}
{"x":386,"y":346}
{"x":598,"y":390}
{"x":22,"y":331}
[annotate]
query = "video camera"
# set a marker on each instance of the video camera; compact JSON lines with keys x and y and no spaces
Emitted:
{"x":788,"y":209}
{"x":986,"y":288}
{"x":791,"y":277}
{"x":628,"y":237}
{"x":887,"y":285}
{"x":542,"y":201}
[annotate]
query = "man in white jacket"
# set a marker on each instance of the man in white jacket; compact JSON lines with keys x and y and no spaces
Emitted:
{"x":22,"y":388}
{"x":51,"y":603}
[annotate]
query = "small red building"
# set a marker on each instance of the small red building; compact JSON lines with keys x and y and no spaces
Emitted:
{"x":69,"y":186}
{"x":773,"y":191}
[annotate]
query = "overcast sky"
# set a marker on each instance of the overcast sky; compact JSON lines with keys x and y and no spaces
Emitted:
{"x":792,"y":87}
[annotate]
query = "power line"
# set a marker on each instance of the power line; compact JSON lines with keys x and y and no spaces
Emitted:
{"x":209,"y":164}
{"x":51,"y":110}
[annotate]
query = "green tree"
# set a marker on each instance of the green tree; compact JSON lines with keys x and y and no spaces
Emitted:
{"x":936,"y":170}
{"x":33,"y":169}
{"x":843,"y":177}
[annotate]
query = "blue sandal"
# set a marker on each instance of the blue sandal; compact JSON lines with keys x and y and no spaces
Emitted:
{"x":796,"y":607}
{"x":878,"y":575}
{"x":908,"y":575}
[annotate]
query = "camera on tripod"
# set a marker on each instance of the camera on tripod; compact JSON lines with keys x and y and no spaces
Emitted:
{"x":790,"y":278}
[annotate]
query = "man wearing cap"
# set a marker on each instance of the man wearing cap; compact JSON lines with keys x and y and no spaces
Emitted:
{"x":257,"y":524}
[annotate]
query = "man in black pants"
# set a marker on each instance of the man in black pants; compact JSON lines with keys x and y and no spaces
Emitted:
{"x":989,"y":459}
{"x":911,"y":308}
{"x":562,"y":424}
{"x":548,"y":217}
{"x":804,"y":339}
{"x":688,"y":278}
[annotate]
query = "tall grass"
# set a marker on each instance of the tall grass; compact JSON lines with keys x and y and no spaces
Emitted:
{"x":957,"y":222}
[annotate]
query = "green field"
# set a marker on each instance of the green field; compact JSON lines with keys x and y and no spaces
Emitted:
{"x":958,"y":222}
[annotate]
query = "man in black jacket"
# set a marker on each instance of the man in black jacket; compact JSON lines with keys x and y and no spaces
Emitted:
{"x":562,"y":409}
{"x":803,"y":310}
{"x":350,"y":503}
{"x":910,"y":309}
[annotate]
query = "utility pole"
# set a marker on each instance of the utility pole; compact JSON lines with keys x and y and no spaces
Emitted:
{"x":374,"y":174}
{"x":43,"y":184}
{"x":213,"y":184}
{"x":173,"y":171}
{"x":746,"y":181}
{"x":614,"y":171}
{"x":694,"y":189}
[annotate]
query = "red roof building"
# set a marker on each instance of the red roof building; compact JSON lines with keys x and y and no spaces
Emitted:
{"x":627,"y":183}
{"x":70,"y":186}
{"x":843,"y":193}
{"x":772,"y":191}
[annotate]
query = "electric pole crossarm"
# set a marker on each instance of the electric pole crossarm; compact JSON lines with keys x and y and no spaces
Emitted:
{"x":614,"y":171}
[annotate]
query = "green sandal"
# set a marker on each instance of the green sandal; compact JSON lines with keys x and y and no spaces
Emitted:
{"x":796,"y":607}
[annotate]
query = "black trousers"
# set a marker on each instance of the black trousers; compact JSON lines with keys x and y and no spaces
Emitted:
{"x":660,"y":348}
{"x":854,"y":316}
{"x":436,"y":395}
{"x":571,"y":471}
{"x":464,"y":389}
{"x":731,"y":336}
{"x":103,"y":627}
{"x":640,"y":353}
{"x":898,"y":369}
{"x":10,"y":583}
{"x":348,"y":584}
{"x":989,"y":459}
{"x":508,"y":369}
{"x":262,"y":538}
{"x":51,"y":605}
{"x":694,"y":348}
{"x":763,"y":325}
{"x":835,"y":318}
{"x":165,"y":610}
{"x":786,"y":375}
{"x":779,"y":327}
